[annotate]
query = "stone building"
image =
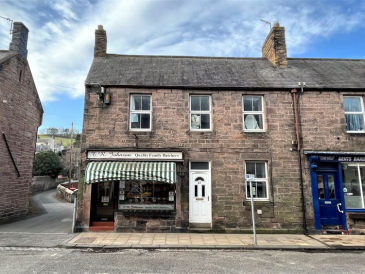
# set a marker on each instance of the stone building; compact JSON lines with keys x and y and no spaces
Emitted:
{"x":20,"y":116}
{"x":168,"y":142}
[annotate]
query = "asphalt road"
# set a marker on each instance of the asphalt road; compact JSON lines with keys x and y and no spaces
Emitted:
{"x":48,"y":225}
{"x":192,"y":261}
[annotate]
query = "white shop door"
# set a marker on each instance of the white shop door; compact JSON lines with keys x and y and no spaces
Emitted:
{"x":200,"y":210}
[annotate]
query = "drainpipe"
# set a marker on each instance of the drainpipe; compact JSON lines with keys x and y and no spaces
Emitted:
{"x":297,"y":131}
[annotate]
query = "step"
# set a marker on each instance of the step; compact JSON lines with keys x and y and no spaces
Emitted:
{"x":101,"y":228}
{"x":335,"y":232}
{"x":102,"y":224}
{"x":200,"y":225}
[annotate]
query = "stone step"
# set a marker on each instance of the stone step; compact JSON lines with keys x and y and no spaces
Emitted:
{"x":101,"y":228}
{"x":102,"y":224}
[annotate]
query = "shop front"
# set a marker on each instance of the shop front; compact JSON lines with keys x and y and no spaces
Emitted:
{"x":134,"y":191}
{"x":338,"y":189}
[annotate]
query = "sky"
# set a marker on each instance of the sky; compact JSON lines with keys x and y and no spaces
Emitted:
{"x":61,"y":38}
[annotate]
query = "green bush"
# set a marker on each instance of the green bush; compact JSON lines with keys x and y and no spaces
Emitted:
{"x":47,"y":163}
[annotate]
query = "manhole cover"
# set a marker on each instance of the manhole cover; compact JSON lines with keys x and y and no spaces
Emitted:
{"x":85,"y":240}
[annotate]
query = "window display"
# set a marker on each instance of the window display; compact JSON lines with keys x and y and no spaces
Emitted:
{"x":354,"y":185}
{"x":146,"y":195}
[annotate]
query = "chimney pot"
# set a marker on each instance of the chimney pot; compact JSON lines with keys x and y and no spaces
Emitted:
{"x":19,"y":39}
{"x":274,"y":47}
{"x":100,"y":43}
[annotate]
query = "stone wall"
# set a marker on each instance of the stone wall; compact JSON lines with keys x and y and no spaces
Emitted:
{"x":65,"y":193}
{"x":20,"y":116}
{"x":43,"y":183}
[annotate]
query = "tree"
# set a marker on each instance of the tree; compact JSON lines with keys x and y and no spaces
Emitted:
{"x":77,"y":142}
{"x":52,"y":131}
{"x":47,"y":163}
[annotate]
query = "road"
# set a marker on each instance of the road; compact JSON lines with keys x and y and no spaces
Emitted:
{"x":48,"y":225}
{"x":165,"y":261}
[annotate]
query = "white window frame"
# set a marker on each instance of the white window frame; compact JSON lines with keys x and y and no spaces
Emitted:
{"x":266,"y":180}
{"x":262,"y":112}
{"x":140,"y":112}
{"x":192,"y":112}
{"x":356,"y":113}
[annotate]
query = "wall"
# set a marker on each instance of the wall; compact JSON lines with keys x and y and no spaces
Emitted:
{"x":64,"y":193}
{"x":226,"y":146}
{"x":43,"y":183}
{"x":20,"y":117}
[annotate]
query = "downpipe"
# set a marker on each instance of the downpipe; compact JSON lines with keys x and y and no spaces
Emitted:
{"x":297,"y":131}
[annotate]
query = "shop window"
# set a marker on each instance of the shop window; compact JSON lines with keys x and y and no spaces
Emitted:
{"x":354,"y":113}
{"x":200,"y":112}
{"x":140,"y":112}
{"x":354,"y":185}
{"x":260,"y":183}
{"x":146,"y":195}
{"x":253,"y":113}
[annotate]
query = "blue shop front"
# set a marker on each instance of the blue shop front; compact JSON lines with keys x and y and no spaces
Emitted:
{"x":338,"y":188}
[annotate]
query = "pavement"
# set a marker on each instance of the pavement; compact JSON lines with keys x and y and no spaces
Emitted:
{"x":110,"y":240}
{"x":49,"y":226}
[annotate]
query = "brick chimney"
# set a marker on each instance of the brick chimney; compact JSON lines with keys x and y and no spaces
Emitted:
{"x":274,"y":48}
{"x":100,"y":43}
{"x":19,"y":39}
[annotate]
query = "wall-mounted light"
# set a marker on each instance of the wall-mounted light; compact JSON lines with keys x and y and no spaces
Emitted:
{"x":101,"y":92}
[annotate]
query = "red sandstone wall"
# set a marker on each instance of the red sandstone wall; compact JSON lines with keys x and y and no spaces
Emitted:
{"x":20,"y":116}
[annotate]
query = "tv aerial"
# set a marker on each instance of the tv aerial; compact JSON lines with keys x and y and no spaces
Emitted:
{"x":11,"y":24}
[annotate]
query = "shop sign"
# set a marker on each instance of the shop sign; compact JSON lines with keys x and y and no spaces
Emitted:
{"x":146,"y":207}
{"x":133,"y":155}
{"x":342,"y":158}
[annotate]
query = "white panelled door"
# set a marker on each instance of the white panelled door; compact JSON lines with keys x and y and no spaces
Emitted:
{"x":200,"y":202}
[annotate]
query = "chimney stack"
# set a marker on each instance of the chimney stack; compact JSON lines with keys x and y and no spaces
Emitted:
{"x":19,"y":39}
{"x":274,"y":48}
{"x":100,"y":43}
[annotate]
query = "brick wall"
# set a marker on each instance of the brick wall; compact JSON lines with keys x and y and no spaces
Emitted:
{"x":20,"y":117}
{"x":227,"y":147}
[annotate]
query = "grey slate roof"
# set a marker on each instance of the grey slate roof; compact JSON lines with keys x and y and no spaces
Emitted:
{"x":219,"y":72}
{"x":5,"y":55}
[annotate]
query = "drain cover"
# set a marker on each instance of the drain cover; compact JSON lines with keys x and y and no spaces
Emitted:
{"x":85,"y":240}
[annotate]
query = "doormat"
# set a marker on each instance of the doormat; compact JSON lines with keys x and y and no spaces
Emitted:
{"x":85,"y":240}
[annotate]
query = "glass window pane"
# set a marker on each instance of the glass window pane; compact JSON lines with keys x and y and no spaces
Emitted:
{"x":258,"y":190}
{"x":253,"y":121}
{"x":135,"y":121}
{"x":256,"y":103}
{"x":146,"y":102}
{"x":205,"y":121}
{"x":354,"y":122}
{"x":203,"y":190}
{"x":136,"y":102}
{"x":247,"y":103}
{"x":195,"y":121}
{"x":352,"y":104}
{"x":250,"y":168}
{"x":331,"y":187}
{"x":196,"y":190}
{"x":260,"y":170}
{"x":145,"y":121}
{"x":199,"y":165}
{"x":320,"y":185}
{"x":204,"y":102}
{"x":195,"y":102}
{"x":351,"y":187}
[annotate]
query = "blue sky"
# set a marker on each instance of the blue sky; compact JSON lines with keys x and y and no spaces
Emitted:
{"x":61,"y":38}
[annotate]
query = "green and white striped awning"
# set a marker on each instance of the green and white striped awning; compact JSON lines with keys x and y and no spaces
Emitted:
{"x":110,"y":171}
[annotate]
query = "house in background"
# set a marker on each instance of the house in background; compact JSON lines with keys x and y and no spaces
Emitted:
{"x":20,"y":116}
{"x":168,"y":142}
{"x":48,"y":144}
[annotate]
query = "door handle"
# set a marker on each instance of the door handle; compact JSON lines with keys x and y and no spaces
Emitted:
{"x":338,"y":208}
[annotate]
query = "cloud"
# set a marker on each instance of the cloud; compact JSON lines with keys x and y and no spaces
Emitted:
{"x":61,"y":38}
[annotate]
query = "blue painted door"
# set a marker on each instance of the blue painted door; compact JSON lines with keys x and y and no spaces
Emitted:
{"x":329,"y":198}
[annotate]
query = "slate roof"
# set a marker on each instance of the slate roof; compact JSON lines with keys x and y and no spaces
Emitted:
{"x":5,"y":55}
{"x":219,"y":72}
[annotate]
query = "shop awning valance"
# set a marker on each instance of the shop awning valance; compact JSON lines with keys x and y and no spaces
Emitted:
{"x":110,"y":171}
